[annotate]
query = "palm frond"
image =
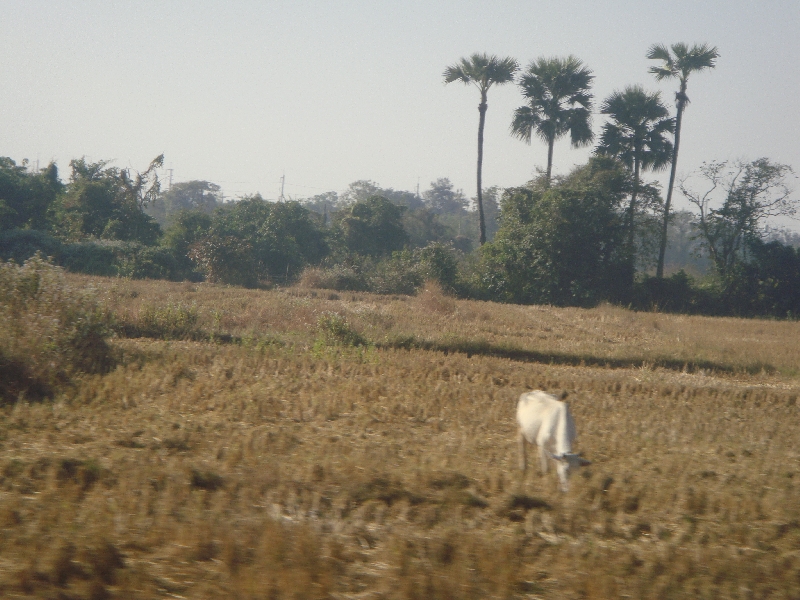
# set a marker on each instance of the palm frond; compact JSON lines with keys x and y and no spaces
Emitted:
{"x":525,"y":121}
{"x":557,"y":91}
{"x":482,"y":69}
{"x":698,"y":58}
{"x":579,"y":123}
{"x":659,"y":52}
{"x":680,"y":60}
{"x":638,"y":128}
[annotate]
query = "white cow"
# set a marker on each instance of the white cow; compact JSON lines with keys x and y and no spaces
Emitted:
{"x":546,"y":421}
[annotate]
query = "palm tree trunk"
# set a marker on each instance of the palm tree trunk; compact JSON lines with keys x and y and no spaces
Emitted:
{"x":482,"y":220}
{"x":631,"y":212}
{"x":665,"y":225}
{"x":550,"y":143}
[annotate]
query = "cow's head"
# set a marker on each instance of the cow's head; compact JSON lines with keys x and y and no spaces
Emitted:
{"x":565,"y":462}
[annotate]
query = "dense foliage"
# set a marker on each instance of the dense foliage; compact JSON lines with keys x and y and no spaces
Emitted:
{"x":566,"y":242}
{"x":562,"y":244}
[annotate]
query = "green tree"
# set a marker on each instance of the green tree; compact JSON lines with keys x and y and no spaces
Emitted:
{"x":187,"y":228}
{"x":26,"y":197}
{"x":562,"y":244}
{"x":678,"y":64}
{"x":363,"y":189}
{"x":371,"y":227}
{"x":491,"y":200}
{"x":107,"y":202}
{"x":482,"y":71}
{"x":751,"y":192}
{"x":442,"y":198}
{"x":769,"y":282}
{"x":282,"y":236}
{"x":636,"y":134}
{"x":186,"y":195}
{"x":558,"y":102}
{"x":323,"y":204}
{"x":424,"y":227}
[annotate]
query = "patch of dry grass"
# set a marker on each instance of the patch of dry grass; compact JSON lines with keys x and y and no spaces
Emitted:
{"x":607,"y":335}
{"x":204,"y":470}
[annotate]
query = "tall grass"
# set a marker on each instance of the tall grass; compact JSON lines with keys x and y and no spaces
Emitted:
{"x":50,"y":330}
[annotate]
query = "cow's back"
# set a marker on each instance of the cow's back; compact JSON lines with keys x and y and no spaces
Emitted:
{"x":546,"y":421}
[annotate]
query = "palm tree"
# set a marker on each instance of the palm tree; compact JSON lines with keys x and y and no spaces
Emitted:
{"x":678,"y":64}
{"x":483,"y":71}
{"x":636,"y":134}
{"x":557,"y":91}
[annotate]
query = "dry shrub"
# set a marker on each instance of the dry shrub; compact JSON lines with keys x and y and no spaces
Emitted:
{"x":311,"y":277}
{"x":433,"y":298}
{"x":340,"y":277}
{"x":51,"y":330}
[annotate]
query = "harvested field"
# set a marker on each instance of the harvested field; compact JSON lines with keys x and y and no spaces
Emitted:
{"x":245,"y":448}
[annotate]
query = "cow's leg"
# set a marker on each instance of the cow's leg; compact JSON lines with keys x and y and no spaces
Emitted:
{"x":542,"y":458}
{"x":523,"y":462}
{"x":563,"y":474}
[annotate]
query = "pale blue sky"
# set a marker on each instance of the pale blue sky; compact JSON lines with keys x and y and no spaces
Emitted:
{"x":330,"y":92}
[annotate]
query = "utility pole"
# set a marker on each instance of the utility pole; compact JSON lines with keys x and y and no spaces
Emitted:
{"x":170,"y":178}
{"x":283,"y":181}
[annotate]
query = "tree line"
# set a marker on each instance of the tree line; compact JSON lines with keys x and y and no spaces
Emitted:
{"x":589,"y":236}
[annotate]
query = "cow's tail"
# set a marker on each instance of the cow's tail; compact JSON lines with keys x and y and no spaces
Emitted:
{"x":523,"y":463}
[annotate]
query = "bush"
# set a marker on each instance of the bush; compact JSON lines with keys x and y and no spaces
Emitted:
{"x":334,"y":330}
{"x":92,"y":258}
{"x":676,"y":293}
{"x":20,"y":244}
{"x":398,"y":274}
{"x":145,"y":262}
{"x":225,"y":260}
{"x":768,"y":283}
{"x":404,"y":272}
{"x":438,"y":262}
{"x":339,"y":277}
{"x":50,"y":330}
{"x":97,"y":257}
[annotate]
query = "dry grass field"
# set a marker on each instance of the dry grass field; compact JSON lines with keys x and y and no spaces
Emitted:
{"x":260,"y":454}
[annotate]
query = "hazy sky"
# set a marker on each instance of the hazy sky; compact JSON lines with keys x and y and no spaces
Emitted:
{"x":331,"y":92}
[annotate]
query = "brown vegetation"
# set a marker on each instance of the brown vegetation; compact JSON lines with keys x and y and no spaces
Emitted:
{"x":281,"y":459}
